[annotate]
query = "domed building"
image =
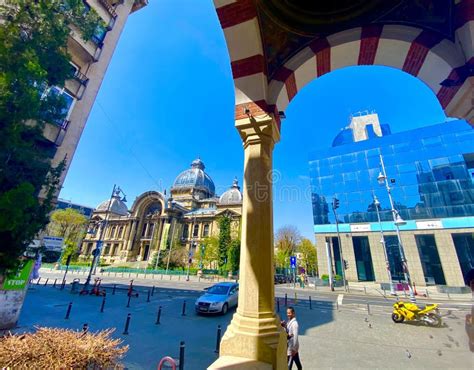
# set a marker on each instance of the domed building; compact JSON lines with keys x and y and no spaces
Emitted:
{"x":157,"y":221}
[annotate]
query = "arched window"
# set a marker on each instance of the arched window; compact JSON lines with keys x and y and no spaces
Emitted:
{"x":153,"y":209}
{"x":205,"y":231}
{"x":120,"y":232}
{"x":196,"y":231}
{"x":185,"y":231}
{"x":112,"y":232}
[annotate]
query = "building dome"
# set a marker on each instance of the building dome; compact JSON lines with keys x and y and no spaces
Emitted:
{"x":231,"y":196}
{"x":117,"y":206}
{"x":195,"y":178}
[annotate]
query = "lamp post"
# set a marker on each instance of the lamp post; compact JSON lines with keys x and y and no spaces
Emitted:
{"x":398,"y":221}
{"x":384,"y":246}
{"x":102,"y":225}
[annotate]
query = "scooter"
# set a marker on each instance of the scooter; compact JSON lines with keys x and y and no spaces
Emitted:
{"x":429,"y":314}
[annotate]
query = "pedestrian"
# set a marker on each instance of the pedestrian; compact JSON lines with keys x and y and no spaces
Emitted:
{"x":292,"y":329}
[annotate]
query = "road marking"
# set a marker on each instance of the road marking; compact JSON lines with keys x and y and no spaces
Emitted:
{"x":340,"y":297}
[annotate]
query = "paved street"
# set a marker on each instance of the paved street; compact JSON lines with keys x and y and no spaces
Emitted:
{"x":332,"y":336}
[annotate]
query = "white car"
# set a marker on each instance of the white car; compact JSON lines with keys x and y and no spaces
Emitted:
{"x":218,"y":298}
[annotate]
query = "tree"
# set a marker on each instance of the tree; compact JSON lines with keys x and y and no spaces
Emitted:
{"x":282,"y":258}
{"x":210,"y":254}
{"x":33,"y":57}
{"x":233,"y":256}
{"x":308,"y":256}
{"x":67,"y":223}
{"x":287,"y":239}
{"x":224,"y":239}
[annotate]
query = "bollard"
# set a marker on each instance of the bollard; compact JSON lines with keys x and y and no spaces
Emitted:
{"x":108,"y":274}
{"x":46,"y":282}
{"x":384,"y":292}
{"x":218,"y":341}
{"x":170,"y":277}
{"x":68,"y":312}
{"x":296,"y":300}
{"x":153,"y":290}
{"x":148,"y":297}
{"x":127,"y":324}
{"x":137,"y":275}
{"x":37,"y":283}
{"x":54,"y":284}
{"x":158,"y":316}
{"x":337,"y":305}
{"x":365,"y":290}
{"x":161,"y":277}
{"x":278,"y":305}
{"x":129,"y":297}
{"x":85,"y":328}
{"x":115,"y":274}
{"x":286,"y":300}
{"x":181,"y":355}
{"x":63,"y":283}
{"x":129,"y":274}
{"x":447,"y":293}
{"x":404,"y":292}
{"x":199,"y":279}
{"x":184,"y":309}
{"x":427,"y":295}
{"x":113,"y":290}
{"x":310,"y":304}
{"x":179,"y":277}
{"x":122,"y":274}
{"x":103,"y":305}
{"x":368,"y":308}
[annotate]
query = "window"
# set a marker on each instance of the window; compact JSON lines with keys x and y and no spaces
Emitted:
{"x":68,"y":101}
{"x":144,"y":230}
{"x":185,"y":231}
{"x":120,"y":232}
{"x":196,"y":231}
{"x":107,"y":249}
{"x":205,"y":231}
{"x":99,"y":35}
{"x":112,"y":232}
{"x":89,"y":248}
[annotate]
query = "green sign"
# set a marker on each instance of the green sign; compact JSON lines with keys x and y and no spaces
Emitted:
{"x":20,"y":279}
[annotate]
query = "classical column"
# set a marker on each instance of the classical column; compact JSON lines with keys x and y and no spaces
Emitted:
{"x":255,"y":333}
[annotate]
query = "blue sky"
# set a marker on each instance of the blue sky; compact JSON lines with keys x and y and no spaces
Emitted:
{"x":168,"y":98}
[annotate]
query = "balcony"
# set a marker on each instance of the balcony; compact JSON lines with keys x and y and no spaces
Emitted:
{"x":108,"y":7}
{"x":81,"y":78}
{"x":56,"y":131}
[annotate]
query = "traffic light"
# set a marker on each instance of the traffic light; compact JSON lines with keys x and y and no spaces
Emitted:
{"x":335,"y":203}
{"x":346,"y":265}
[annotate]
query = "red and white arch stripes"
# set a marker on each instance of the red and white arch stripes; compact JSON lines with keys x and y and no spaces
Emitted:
{"x":417,"y":52}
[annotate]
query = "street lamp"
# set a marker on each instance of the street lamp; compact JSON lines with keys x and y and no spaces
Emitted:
{"x":116,"y":192}
{"x":398,"y":221}
{"x":384,"y":246}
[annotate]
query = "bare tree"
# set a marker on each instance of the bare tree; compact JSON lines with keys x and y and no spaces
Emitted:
{"x":287,"y":239}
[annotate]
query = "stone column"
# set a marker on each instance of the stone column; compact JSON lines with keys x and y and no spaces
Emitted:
{"x":413,"y":258}
{"x":349,"y":256}
{"x":255,"y":333}
{"x":378,"y":258}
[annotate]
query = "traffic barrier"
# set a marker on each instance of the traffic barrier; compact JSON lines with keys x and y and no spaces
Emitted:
{"x":127,"y":324}
{"x":158,"y":316}
{"x":218,"y":339}
{"x":68,"y":312}
{"x":181,"y":355}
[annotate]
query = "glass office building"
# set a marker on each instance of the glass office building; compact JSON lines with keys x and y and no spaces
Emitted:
{"x":431,"y":173}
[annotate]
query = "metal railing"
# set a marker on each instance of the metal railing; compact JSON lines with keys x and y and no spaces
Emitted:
{"x":108,"y":7}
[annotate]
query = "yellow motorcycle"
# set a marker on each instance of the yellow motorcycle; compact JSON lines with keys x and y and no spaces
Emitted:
{"x":429,"y":314}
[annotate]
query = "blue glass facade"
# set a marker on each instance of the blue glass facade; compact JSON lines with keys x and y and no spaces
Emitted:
{"x":431,"y":171}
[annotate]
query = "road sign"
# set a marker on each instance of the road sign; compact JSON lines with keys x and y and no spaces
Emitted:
{"x":53,"y":243}
{"x":293,"y":262}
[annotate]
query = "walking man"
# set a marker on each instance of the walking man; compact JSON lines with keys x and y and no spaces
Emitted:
{"x":292,"y":336}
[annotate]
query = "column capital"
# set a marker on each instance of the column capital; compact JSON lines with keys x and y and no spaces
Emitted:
{"x":254,"y":130}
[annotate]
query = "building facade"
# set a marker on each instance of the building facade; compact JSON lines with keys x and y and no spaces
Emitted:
{"x":89,"y":60}
{"x":157,"y":222}
{"x":431,"y":175}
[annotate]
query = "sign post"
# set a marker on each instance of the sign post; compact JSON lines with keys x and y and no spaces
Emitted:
{"x":293,"y":267}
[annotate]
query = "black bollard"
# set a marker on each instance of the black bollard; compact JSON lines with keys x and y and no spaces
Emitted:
{"x":127,"y":324}
{"x":54,"y":284}
{"x":278,"y":305}
{"x":148,"y":297}
{"x":158,"y":316}
{"x":153,"y":290}
{"x":85,"y":328}
{"x":184,"y":309}
{"x":113,"y":290}
{"x":218,"y":341}
{"x":102,"y":305}
{"x":129,"y":297}
{"x":37,"y":283}
{"x":310,"y":304}
{"x":181,"y":355}
{"x":63,"y":283}
{"x":68,"y":312}
{"x":46,"y":282}
{"x":286,"y":300}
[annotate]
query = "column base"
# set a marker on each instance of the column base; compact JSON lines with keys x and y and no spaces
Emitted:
{"x":253,"y":343}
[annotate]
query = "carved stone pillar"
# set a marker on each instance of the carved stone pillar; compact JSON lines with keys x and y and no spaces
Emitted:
{"x":255,"y":334}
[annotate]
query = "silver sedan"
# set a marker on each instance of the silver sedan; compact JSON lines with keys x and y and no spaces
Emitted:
{"x":218,"y":298}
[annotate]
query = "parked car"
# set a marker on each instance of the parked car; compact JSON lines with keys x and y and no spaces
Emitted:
{"x":280,"y":279}
{"x":218,"y":298}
